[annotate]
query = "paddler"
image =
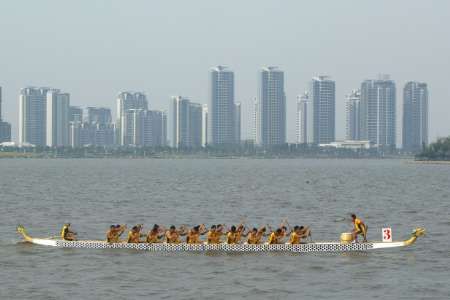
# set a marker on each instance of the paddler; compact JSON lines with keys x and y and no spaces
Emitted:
{"x":173,"y":235}
{"x":304,"y":232}
{"x":253,"y":237}
{"x":232,"y":235}
{"x":276,"y":237}
{"x":155,"y":234}
{"x":193,"y":236}
{"x":67,"y":234}
{"x":114,"y":233}
{"x":240,"y":232}
{"x":296,"y":234}
{"x":220,"y":230}
{"x":359,"y":228}
{"x":284,"y":231}
{"x":134,"y":235}
{"x":212,"y":236}
{"x":262,"y":232}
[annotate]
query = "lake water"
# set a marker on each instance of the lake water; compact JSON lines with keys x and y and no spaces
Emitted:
{"x":94,"y":193}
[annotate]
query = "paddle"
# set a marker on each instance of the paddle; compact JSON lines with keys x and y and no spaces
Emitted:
{"x":287,"y":223}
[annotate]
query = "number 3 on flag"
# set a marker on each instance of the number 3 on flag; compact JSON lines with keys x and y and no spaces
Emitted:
{"x":387,"y":234}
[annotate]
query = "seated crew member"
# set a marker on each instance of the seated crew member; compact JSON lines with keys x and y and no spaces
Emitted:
{"x":262,"y":232}
{"x":155,"y":234}
{"x":193,"y":236}
{"x":304,"y":232}
{"x":173,"y":235}
{"x":253,"y":237}
{"x":114,"y":233}
{"x":284,"y":231}
{"x":240,"y":232}
{"x":276,"y":237}
{"x":67,"y":234}
{"x":295,"y":236}
{"x":359,"y":228}
{"x":220,"y":232}
{"x":134,"y":235}
{"x":213,"y":237}
{"x":232,"y":235}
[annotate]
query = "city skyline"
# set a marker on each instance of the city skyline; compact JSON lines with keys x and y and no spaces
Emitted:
{"x":291,"y":116}
{"x":47,"y":118}
{"x":95,"y":65}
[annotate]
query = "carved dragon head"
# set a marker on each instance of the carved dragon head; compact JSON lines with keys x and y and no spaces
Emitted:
{"x":21,"y":229}
{"x":419,"y":231}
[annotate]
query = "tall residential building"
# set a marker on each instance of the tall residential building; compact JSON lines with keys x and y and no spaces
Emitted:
{"x":99,"y":115}
{"x":255,"y":120}
{"x":180,"y":135}
{"x":58,"y":105}
{"x":5,"y":132}
{"x":204,"y":125}
{"x":378,"y":112}
{"x":133,"y":126}
{"x":126,"y":101}
{"x":352,"y":106}
{"x":145,"y":128}
{"x":221,"y":127}
{"x":415,"y":116}
{"x":237,"y":123}
{"x":271,"y":108}
{"x":155,"y":129}
{"x":323,"y":97}
{"x":0,"y":103}
{"x":195,"y":126}
{"x":75,"y":114}
{"x":75,"y":128}
{"x":5,"y":127}
{"x":186,"y":123}
{"x":305,"y":125}
{"x":163,"y":131}
{"x":99,"y":127}
{"x":99,"y":134}
{"x":32,"y":116}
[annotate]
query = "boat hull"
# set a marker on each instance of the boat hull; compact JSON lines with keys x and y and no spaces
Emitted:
{"x":183,"y":247}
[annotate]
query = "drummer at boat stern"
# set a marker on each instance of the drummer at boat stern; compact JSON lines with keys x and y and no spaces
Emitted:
{"x":359,"y":228}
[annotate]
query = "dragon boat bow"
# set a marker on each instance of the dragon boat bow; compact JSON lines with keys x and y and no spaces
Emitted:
{"x":335,"y":246}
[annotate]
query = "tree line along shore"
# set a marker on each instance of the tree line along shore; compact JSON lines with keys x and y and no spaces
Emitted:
{"x":437,"y":151}
{"x":243,"y":151}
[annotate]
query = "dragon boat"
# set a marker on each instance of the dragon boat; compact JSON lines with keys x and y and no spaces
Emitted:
{"x":344,"y":245}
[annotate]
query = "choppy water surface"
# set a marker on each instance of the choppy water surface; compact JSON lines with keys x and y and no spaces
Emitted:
{"x":91,"y":194}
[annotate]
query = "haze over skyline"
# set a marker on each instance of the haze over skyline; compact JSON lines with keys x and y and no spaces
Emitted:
{"x":95,"y":49}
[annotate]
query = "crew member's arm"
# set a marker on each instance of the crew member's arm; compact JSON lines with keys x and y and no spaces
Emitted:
{"x":121,"y":230}
{"x":183,"y":230}
{"x":245,"y":234}
{"x":286,"y":223}
{"x":203,"y":229}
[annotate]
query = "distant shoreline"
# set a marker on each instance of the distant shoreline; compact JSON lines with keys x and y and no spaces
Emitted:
{"x":243,"y":152}
{"x":30,"y":155}
{"x":431,"y":162}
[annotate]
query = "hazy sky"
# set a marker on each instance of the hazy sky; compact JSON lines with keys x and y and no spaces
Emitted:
{"x":94,"y":49}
